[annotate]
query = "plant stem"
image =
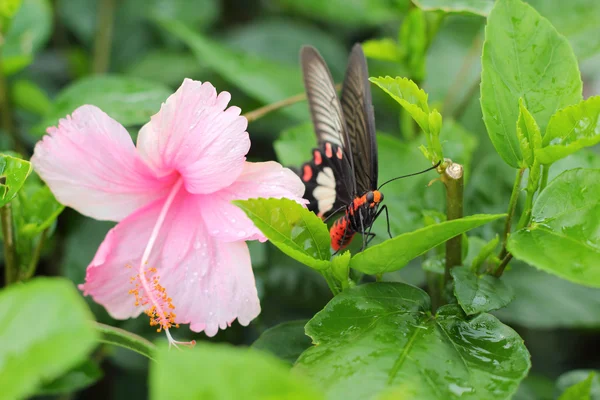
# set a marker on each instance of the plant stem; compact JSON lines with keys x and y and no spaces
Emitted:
{"x":262,"y":111}
{"x":35,"y":258}
{"x":454,"y":182}
{"x":103,"y":40}
{"x":330,"y":282}
{"x":503,"y":265}
{"x":545,"y":170}
{"x":10,"y":257}
{"x":532,"y":188}
{"x":512,"y":206}
{"x":5,"y":112}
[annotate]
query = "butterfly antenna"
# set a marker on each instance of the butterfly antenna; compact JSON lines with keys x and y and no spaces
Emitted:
{"x":406,"y":176}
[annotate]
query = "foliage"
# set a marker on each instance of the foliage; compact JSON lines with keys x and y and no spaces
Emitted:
{"x":506,"y":89}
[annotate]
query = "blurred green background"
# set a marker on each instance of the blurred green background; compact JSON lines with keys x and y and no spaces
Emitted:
{"x":127,"y":56}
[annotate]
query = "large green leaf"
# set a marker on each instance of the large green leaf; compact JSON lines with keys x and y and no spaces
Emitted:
{"x":477,"y":7}
{"x":225,"y":372}
{"x":285,"y":341}
{"x":543,"y":301}
{"x":395,"y":253}
{"x":578,"y":20}
{"x":167,"y":66}
{"x":297,"y":232}
{"x":28,"y":32}
{"x":523,"y":57}
{"x":570,"y":130}
{"x":13,"y":173}
{"x":352,"y":13}
{"x":564,"y":237}
{"x":47,"y":329}
{"x":262,"y":79}
{"x":130,"y":101}
{"x":477,"y":294}
{"x":382,"y":335}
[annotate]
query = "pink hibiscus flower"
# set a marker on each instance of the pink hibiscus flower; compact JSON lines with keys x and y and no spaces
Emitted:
{"x":178,"y":252}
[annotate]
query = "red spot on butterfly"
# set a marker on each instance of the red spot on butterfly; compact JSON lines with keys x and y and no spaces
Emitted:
{"x":307,"y":173}
{"x":318,"y":159}
{"x":328,"y":150}
{"x":338,"y":153}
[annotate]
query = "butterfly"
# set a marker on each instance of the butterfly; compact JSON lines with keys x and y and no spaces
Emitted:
{"x":343,"y":172}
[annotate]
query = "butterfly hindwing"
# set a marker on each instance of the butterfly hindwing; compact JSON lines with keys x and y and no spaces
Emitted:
{"x":324,"y":181}
{"x":357,"y":109}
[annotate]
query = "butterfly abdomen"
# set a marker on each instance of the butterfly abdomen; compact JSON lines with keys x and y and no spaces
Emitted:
{"x":341,"y":233}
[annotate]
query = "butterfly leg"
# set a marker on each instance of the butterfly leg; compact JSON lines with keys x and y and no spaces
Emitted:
{"x":364,"y":234}
{"x":387,"y":218}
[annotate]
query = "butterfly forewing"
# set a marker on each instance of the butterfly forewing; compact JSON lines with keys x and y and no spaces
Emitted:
{"x":327,"y":116}
{"x":357,"y":110}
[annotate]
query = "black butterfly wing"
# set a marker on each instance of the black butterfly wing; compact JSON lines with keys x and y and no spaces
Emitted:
{"x":323,"y":178}
{"x":326,"y":111}
{"x":357,"y":109}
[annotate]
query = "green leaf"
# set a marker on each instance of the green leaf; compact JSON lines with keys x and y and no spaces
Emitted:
{"x":578,"y":20}
{"x":226,"y":372}
{"x":580,"y":390}
{"x":523,"y":57}
{"x":130,"y":101}
{"x":122,"y":338}
{"x":297,"y":232}
{"x":408,"y":95}
{"x":573,"y":378}
{"x":382,"y":336}
{"x":570,"y":130}
{"x":477,"y":294}
{"x":487,"y":249}
{"x":294,"y":146}
{"x":49,"y":329}
{"x":341,"y":12}
{"x":30,"y":97}
{"x":385,"y":49}
{"x":565,"y":227}
{"x":286,"y":341}
{"x":477,"y":7}
{"x":78,"y":378}
{"x":36,"y":209}
{"x":543,"y":301}
{"x":13,"y":172}
{"x":528,"y":133}
{"x":29,"y":31}
{"x":395,"y":253}
{"x":262,"y":79}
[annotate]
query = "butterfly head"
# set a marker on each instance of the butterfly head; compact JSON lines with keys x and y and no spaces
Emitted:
{"x":374,"y":197}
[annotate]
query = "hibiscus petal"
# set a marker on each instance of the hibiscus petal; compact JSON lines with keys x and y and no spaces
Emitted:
{"x":267,"y":179}
{"x":91,"y":165}
{"x":194,"y":134}
{"x":210,"y":282}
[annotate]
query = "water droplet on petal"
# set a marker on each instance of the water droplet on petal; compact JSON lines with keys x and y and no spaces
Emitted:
{"x":242,"y":233}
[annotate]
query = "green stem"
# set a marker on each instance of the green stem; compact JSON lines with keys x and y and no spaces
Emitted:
{"x":35,"y":258}
{"x":330,"y":282}
{"x":545,"y":170}
{"x":512,"y":206}
{"x":503,"y":265}
{"x":533,"y":185}
{"x":122,"y":338}
{"x":103,"y":40}
{"x":11,"y":267}
{"x":454,"y":182}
